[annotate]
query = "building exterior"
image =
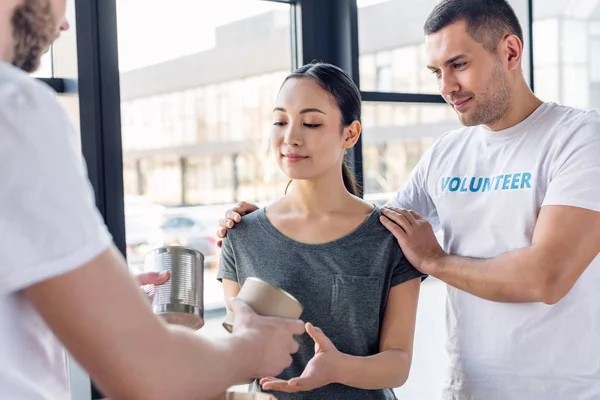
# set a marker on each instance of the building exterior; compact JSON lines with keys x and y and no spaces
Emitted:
{"x":195,"y":129}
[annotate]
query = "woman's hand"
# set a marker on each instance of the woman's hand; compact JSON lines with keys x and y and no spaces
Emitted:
{"x":320,"y":370}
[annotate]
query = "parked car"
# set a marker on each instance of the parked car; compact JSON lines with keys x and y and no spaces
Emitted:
{"x":187,"y":231}
{"x":141,"y":237}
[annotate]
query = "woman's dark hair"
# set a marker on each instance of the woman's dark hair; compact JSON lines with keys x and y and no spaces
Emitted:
{"x":343,"y":90}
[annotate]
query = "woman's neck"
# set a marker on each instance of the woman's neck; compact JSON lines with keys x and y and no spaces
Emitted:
{"x":322,"y":195}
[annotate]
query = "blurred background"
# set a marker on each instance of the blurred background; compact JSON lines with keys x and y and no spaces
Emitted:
{"x":173,"y":100}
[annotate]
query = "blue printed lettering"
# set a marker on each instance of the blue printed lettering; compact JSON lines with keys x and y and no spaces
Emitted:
{"x":498,"y":179}
{"x":525,"y":181}
{"x":506,"y":183}
{"x":445,"y":182}
{"x":475,"y":189}
{"x":487,"y":185}
{"x":453,"y":187}
{"x":474,"y":184}
{"x":515,"y":181}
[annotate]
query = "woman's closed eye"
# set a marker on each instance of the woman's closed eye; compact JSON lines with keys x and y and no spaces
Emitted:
{"x":312,"y":126}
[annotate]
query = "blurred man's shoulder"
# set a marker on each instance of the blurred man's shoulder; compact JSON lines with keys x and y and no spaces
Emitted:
{"x":20,"y":93}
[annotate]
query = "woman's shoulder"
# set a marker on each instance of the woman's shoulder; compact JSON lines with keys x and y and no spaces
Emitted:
{"x":248,"y":224}
{"x":376,"y":231}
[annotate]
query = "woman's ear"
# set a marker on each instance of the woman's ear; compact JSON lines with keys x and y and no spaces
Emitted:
{"x":352,"y":133}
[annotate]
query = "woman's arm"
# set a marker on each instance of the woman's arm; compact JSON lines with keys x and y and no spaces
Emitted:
{"x":387,"y":369}
{"x":390,"y":367}
{"x":230,"y":289}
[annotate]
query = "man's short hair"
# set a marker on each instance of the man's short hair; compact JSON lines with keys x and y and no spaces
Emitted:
{"x":487,"y":21}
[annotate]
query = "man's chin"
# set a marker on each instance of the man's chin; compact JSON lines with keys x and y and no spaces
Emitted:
{"x":465,"y":119}
{"x":28,"y":66}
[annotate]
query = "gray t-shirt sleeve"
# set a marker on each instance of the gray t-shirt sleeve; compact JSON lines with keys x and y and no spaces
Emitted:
{"x":227,"y":268}
{"x":404,"y":272}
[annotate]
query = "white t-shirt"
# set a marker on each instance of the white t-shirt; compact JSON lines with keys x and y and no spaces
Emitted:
{"x":49,"y":225}
{"x":484,"y":190}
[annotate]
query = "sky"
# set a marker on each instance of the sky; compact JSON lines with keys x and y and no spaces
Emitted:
{"x":153,"y":31}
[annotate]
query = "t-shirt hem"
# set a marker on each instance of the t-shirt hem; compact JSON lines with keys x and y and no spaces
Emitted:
{"x":570,"y":201}
{"x":407,"y":276}
{"x":29,"y":275}
{"x":227,"y":275}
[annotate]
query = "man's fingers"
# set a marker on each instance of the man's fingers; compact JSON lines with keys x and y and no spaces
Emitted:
{"x":295,"y":326}
{"x":238,"y":307}
{"x":232,"y":215}
{"x":152,"y":278}
{"x":416,"y":215}
{"x":226,"y":223}
{"x":295,"y":346}
{"x":409,"y":216}
{"x":398,"y":215}
{"x":391,"y":226}
{"x":399,"y":218}
{"x":244,"y":208}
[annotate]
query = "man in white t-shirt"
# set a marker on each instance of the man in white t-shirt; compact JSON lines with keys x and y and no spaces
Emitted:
{"x":61,"y":279}
{"x":516,"y":193}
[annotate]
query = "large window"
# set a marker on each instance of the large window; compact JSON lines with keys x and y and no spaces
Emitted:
{"x":197,"y":90}
{"x":395,"y":137}
{"x":59,"y":64}
{"x":567,"y":52}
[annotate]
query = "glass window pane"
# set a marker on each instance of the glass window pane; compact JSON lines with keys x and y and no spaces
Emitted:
{"x":392,"y":54}
{"x":395,"y":136}
{"x":61,"y":62}
{"x":196,"y":97}
{"x":566,"y":49}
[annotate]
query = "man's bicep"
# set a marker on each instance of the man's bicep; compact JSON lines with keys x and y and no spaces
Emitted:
{"x":575,"y":171}
{"x":566,"y":240}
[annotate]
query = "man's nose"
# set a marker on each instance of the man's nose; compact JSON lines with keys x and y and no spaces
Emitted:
{"x":64,"y":25}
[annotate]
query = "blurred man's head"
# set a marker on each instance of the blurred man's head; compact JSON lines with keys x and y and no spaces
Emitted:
{"x":35,"y":25}
{"x":474,"y":48}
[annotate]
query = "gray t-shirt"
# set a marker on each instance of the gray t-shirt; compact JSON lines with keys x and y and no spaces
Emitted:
{"x":343,"y":286}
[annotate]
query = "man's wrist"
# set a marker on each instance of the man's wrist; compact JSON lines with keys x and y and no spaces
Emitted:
{"x":435,"y":266}
{"x":243,"y":361}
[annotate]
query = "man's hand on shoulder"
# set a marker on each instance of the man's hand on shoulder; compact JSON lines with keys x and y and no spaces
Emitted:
{"x":416,"y":238}
{"x":232,"y":217}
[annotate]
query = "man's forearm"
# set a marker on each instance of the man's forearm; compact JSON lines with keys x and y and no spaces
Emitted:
{"x":513,"y":277}
{"x":224,"y":362}
{"x":388,"y":369}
